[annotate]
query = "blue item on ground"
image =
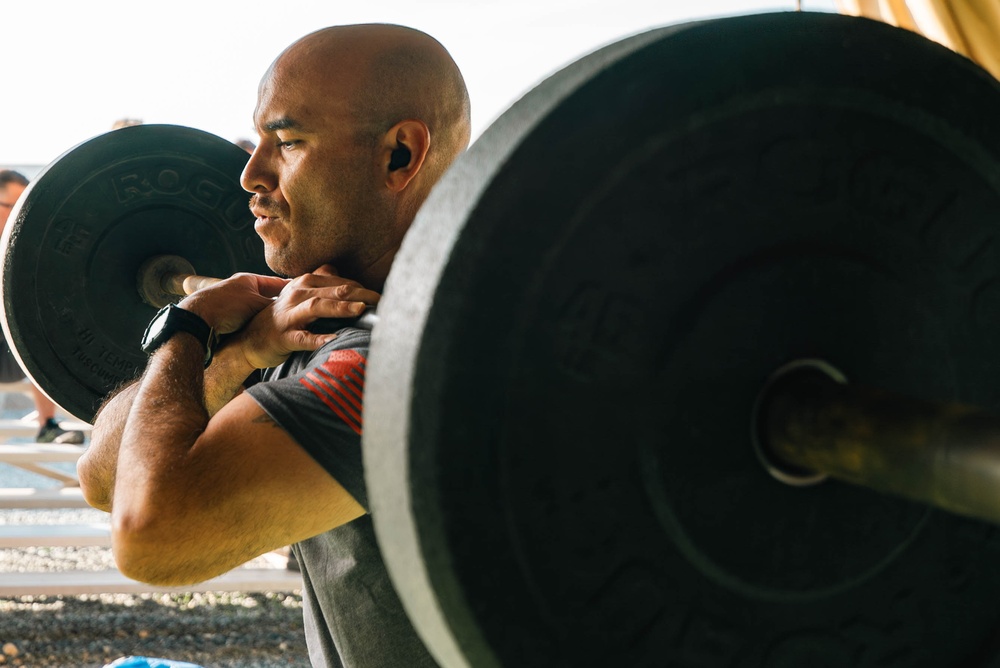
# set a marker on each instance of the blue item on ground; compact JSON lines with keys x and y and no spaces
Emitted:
{"x":146,"y":662}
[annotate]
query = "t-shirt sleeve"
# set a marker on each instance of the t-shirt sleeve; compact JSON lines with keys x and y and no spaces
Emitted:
{"x":319,"y":405}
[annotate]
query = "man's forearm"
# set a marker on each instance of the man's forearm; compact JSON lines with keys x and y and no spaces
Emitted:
{"x":97,"y":466}
{"x":224,"y":377}
{"x":128,"y":417}
{"x":167,"y":416}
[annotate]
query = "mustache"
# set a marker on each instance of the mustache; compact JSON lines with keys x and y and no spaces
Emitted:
{"x":265,"y":204}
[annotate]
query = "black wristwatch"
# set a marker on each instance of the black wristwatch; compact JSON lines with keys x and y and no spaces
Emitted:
{"x":172,"y":319}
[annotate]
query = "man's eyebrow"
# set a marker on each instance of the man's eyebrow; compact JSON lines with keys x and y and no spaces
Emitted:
{"x":280,"y":124}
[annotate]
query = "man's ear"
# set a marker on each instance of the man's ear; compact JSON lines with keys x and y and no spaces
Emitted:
{"x":404,"y":148}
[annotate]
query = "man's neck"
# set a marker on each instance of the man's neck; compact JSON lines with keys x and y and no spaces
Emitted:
{"x":374,"y":275}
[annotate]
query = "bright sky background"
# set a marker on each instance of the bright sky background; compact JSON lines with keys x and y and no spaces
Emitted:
{"x":70,"y":69}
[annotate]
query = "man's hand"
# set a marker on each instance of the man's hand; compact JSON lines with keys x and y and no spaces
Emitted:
{"x":281,"y":326}
{"x":230,"y":304}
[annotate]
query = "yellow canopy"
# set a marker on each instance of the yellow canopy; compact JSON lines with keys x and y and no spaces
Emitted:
{"x":970,"y":27}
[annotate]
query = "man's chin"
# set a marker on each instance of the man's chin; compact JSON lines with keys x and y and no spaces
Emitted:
{"x":278,"y":264}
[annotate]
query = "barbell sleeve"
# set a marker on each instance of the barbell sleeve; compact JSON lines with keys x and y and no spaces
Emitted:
{"x":944,"y":454}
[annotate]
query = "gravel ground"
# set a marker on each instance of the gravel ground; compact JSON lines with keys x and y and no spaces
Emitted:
{"x":223,"y":630}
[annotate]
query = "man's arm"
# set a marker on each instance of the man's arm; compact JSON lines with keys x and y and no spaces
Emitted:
{"x":195,"y":473}
{"x":96,"y":469}
{"x":196,"y":497}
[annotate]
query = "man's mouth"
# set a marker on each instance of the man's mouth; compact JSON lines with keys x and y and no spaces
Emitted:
{"x":261,"y":211}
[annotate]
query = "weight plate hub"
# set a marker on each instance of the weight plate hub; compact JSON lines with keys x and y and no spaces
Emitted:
{"x":73,"y":246}
{"x":589,"y":305}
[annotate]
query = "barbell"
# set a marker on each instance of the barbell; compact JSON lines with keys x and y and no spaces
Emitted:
{"x":630,"y":333}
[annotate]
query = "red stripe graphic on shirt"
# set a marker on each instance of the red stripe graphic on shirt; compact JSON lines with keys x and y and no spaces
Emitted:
{"x":340,"y":384}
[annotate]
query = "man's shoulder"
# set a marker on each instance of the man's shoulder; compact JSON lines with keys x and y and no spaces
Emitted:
{"x":351,"y":337}
{"x":348,"y":339}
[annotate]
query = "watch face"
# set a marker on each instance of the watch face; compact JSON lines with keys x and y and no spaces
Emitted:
{"x":155,"y":330}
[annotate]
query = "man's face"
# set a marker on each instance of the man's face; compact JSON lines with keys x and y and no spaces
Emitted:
{"x":315,"y":181}
{"x":8,"y":196}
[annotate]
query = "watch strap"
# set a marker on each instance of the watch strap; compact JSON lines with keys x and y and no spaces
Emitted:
{"x":177,"y":320}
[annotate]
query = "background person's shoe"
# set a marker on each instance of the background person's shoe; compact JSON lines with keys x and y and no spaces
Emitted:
{"x":51,"y":432}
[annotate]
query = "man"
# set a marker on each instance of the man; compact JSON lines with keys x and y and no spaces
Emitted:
{"x":12,"y":184}
{"x":356,"y":125}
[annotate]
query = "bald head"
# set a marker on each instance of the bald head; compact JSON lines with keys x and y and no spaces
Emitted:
{"x":384,"y":74}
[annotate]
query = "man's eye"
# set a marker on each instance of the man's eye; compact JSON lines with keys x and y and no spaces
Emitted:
{"x":290,"y":143}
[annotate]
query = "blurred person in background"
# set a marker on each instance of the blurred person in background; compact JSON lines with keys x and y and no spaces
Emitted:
{"x":245,"y":144}
{"x":125,"y":123}
{"x":12,"y":184}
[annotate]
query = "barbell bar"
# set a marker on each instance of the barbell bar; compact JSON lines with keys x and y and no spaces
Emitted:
{"x":809,"y":424}
{"x":812,"y":424}
{"x":163,"y":279}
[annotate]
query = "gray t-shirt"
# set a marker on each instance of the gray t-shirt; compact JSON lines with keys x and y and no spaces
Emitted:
{"x":353,"y":617}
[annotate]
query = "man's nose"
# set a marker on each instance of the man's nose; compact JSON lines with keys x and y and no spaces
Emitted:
{"x":256,"y":177}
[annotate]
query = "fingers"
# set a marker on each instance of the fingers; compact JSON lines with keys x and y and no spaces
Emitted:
{"x":306,"y":340}
{"x":345,"y":292}
{"x":269,"y":286}
{"x":327,"y":270}
{"x":276,"y":333}
{"x":302,"y":314}
{"x":351,"y":293}
{"x":331,"y":287}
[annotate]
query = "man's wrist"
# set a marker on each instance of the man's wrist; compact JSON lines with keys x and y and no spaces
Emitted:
{"x":172,"y":320}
